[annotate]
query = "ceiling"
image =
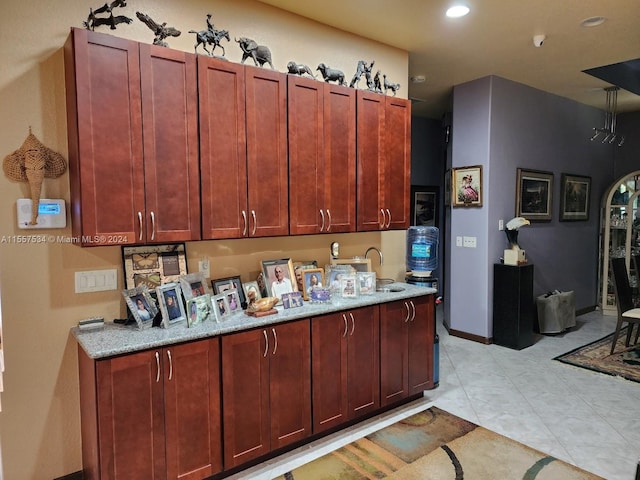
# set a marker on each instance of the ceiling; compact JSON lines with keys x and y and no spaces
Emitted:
{"x":496,"y":38}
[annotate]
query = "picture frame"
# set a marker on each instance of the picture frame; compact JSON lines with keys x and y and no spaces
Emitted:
{"x":292,"y":300}
{"x":366,"y":282}
{"x":142,"y":306}
{"x":286,"y":284}
{"x":348,"y":286}
{"x":467,"y":186}
{"x":424,"y":205}
{"x":171,"y":305}
{"x":575,"y":193}
{"x":251,"y":291}
{"x":299,"y":266}
{"x":308,"y":281}
{"x":194,"y":285}
{"x":220,"y":307}
{"x":199,"y":310}
{"x":534,"y":195}
{"x":221,"y":285}
{"x":153,"y":265}
{"x":334,"y":273}
{"x":234,"y":303}
{"x":358,"y":264}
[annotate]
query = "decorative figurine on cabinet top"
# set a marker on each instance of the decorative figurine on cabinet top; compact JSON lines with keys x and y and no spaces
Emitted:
{"x":299,"y":69}
{"x":259,"y":53}
{"x":359,"y":72}
{"x":161,"y":31}
{"x":515,"y":255}
{"x":93,"y":21}
{"x":394,"y":87}
{"x":212,"y":37}
{"x":331,"y":74}
{"x":377,"y":87}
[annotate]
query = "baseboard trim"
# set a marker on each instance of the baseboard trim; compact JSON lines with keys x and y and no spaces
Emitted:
{"x":72,"y":476}
{"x":469,"y":336}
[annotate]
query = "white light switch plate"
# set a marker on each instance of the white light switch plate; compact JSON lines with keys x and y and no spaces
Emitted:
{"x":96,"y":281}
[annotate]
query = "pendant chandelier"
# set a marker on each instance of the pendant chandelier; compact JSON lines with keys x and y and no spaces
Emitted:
{"x":608,"y":132}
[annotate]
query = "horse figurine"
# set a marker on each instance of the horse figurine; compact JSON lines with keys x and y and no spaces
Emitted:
{"x":211,"y":37}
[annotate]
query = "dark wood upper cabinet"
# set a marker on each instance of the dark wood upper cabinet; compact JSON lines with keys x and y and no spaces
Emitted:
{"x":243,"y":149}
{"x":321,"y":157}
{"x":130,"y":185}
{"x":384,"y":161}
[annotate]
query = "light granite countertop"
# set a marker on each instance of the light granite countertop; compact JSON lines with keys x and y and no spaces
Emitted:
{"x":115,"y":339}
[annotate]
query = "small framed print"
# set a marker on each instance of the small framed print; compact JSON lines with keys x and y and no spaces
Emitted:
{"x":222,"y":285}
{"x":424,"y":205}
{"x":534,"y":195}
{"x":233,"y":300}
{"x":334,"y":273}
{"x":251,"y":291}
{"x":194,"y":285}
{"x":312,"y":278}
{"x":299,"y":267}
{"x":467,"y":186}
{"x":170,"y":300}
{"x":279,"y":277}
{"x":141,"y":305}
{"x":366,"y":283}
{"x":574,"y":197}
{"x":153,"y":265}
{"x":348,"y":286}
{"x":220,"y":307}
{"x":199,"y":310}
{"x":292,"y":300}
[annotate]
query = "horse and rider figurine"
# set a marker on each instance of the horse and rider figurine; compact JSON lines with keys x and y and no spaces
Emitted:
{"x":211,"y":37}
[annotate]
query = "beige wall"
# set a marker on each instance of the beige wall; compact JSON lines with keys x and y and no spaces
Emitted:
{"x":39,"y":422}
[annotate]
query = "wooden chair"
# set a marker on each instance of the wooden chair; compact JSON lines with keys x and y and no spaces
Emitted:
{"x":624,"y":300}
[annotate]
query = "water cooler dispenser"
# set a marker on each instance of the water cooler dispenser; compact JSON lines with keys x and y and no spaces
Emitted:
{"x":422,"y":260}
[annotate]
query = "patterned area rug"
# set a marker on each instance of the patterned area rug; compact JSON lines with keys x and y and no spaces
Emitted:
{"x":436,"y":445}
{"x":625,"y":361}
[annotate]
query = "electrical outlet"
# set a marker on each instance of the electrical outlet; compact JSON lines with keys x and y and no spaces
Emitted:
{"x":469,"y":242}
{"x":458,"y":241}
{"x":500,"y":224}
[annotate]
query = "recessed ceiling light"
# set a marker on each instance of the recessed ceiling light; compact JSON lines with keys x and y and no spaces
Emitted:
{"x":457,"y":11}
{"x":593,"y":21}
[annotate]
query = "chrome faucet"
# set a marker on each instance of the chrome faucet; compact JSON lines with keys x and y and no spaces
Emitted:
{"x":366,"y":255}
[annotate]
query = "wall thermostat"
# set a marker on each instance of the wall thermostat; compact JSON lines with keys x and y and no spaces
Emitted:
{"x":52,"y":213}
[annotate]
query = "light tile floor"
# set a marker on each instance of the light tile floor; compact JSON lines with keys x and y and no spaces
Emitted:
{"x":585,"y":418}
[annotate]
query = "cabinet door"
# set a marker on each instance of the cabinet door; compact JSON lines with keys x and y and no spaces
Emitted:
{"x":245,"y":396}
{"x":397,"y":185}
{"x":329,"y":370}
{"x":105,"y":137}
{"x":363,"y":361}
{"x":370,"y":165}
{"x":191,"y":374}
{"x":131,"y":417}
{"x":170,"y":122}
{"x":268,"y":172}
{"x":394,"y":361}
{"x":306,"y":156}
{"x":339,"y":158}
{"x":223,"y":149}
{"x":290,"y":380}
{"x":421,"y":338}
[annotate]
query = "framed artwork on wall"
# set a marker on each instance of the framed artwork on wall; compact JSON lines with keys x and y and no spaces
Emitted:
{"x":534,"y":195}
{"x":575,"y":191}
{"x":153,"y":265}
{"x":424,"y":205}
{"x":467,"y":186}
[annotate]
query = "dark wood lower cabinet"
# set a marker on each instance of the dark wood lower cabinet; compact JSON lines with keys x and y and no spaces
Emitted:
{"x":266,"y":383}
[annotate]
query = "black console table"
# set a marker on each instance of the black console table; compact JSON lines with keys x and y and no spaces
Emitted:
{"x":513,"y":307}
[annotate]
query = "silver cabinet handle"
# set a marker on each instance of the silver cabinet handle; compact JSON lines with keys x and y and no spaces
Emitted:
{"x":329,"y":215}
{"x":383,"y":219}
{"x":140,"y":224}
{"x":389,"y":221}
{"x":266,"y":343}
{"x":157,"y":367}
{"x":406,"y":319}
{"x":153,"y":226}
{"x":322,"y":215}
{"x":244,"y":220}
{"x":353,"y":323}
{"x":346,"y":325}
{"x":170,"y":364}
{"x":255,"y":223}
{"x":413,"y":310}
{"x":275,"y":339}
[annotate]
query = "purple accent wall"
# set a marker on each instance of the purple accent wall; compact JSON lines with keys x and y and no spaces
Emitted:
{"x":503,"y":125}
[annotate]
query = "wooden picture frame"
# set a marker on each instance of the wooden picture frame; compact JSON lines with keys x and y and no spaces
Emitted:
{"x":277,"y":286}
{"x":221,"y":285}
{"x":424,"y":205}
{"x":575,"y":192}
{"x":534,"y":195}
{"x":194,"y":285}
{"x":153,"y":265}
{"x":467,"y":186}
{"x":199,"y":310}
{"x":171,"y":305}
{"x":142,"y":306}
{"x":307,"y":281}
